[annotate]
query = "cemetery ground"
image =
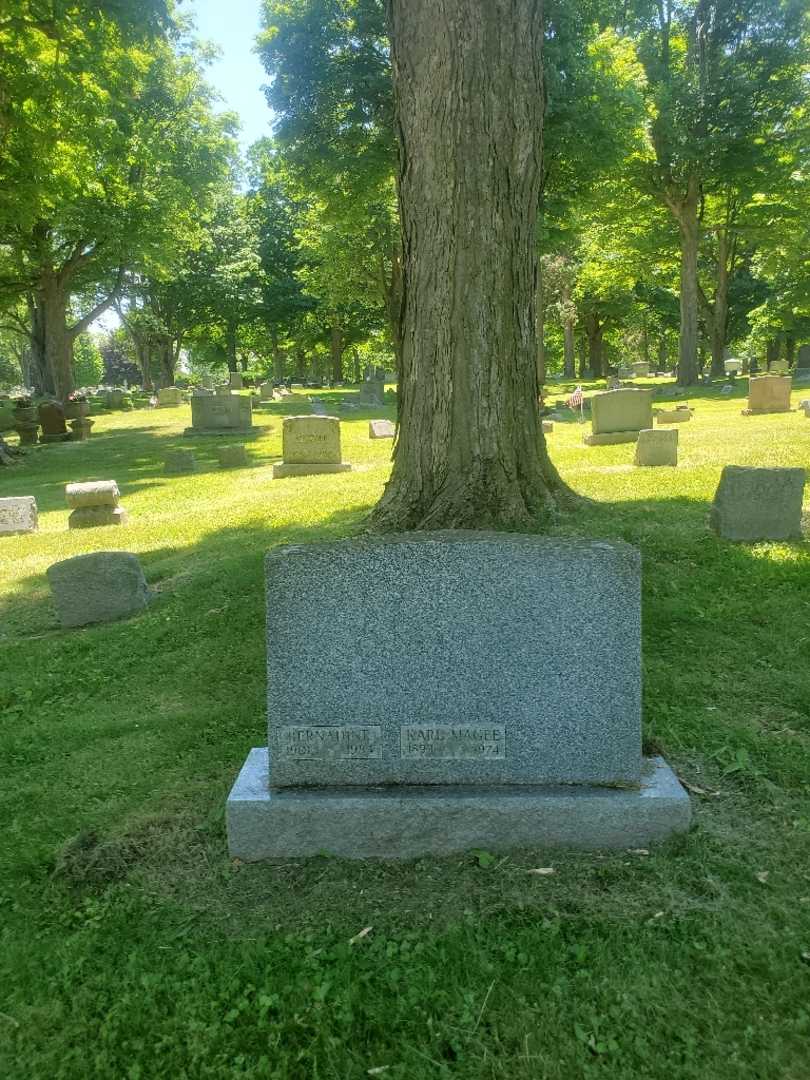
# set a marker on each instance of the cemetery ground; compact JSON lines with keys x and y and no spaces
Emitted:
{"x":132,"y":946}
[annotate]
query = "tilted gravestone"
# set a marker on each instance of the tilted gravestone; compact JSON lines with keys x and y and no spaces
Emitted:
{"x":18,"y":514}
{"x":101,"y":587}
{"x":768,"y":394}
{"x":433,"y":692}
{"x":381,"y":429}
{"x":617,"y":416}
{"x":657,"y":447}
{"x":310,"y":445}
{"x":753,"y":504}
{"x":222,"y":414}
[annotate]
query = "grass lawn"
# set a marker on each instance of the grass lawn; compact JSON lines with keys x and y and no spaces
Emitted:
{"x":133,"y":947}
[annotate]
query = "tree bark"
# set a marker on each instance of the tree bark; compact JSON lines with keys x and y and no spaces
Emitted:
{"x":594,"y":330}
{"x":583,"y":355}
{"x":685,"y":211}
{"x":719,"y":323}
{"x":336,"y":352}
{"x":57,"y":339}
{"x":468,"y":100}
{"x":540,"y":328}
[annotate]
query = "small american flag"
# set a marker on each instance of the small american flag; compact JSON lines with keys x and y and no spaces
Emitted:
{"x":576,"y":399}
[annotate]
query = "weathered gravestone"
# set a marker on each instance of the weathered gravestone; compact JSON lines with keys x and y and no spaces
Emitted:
{"x":310,"y":445}
{"x":753,"y":504}
{"x":180,"y":461}
{"x":18,"y":514}
{"x":267,"y":391}
{"x":222,"y":414}
{"x":617,"y":416}
{"x":170,"y":395}
{"x":547,"y":426}
{"x":381,"y":429}
{"x":732,"y":367}
{"x":101,"y":587}
{"x":235,"y":381}
{"x":640,"y":368}
{"x":434,"y":692}
{"x":52,"y":422}
{"x":372,"y":392}
{"x":657,"y":447}
{"x":768,"y":394}
{"x":93,"y":504}
{"x":674,"y":416}
{"x":231,"y":457}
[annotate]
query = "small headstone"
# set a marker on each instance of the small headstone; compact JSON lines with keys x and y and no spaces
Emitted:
{"x":235,"y":381}
{"x":674,"y":416}
{"x":372,"y":392}
{"x":617,"y":416}
{"x":180,"y":461}
{"x":640,"y":368}
{"x":231,"y":457}
{"x":18,"y":514}
{"x":732,"y":366}
{"x":310,"y":445}
{"x":81,"y":429}
{"x":266,"y":391}
{"x":381,"y":429}
{"x":52,"y":421}
{"x":452,"y":725}
{"x":758,"y":504}
{"x":94,"y":504}
{"x":779,"y":367}
{"x":170,"y":396}
{"x":98,"y":588}
{"x":657,"y":447}
{"x":547,"y":426}
{"x":768,"y":394}
{"x":727,"y":389}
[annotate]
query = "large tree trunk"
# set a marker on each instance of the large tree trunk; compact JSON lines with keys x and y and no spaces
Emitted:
{"x":469,"y":105}
{"x":231,"y":346}
{"x":540,"y":328}
{"x":594,"y":330}
{"x":583,"y":355}
{"x":569,"y":362}
{"x":56,"y":336}
{"x":719,"y":322}
{"x":336,"y":352}
{"x":685,"y":211}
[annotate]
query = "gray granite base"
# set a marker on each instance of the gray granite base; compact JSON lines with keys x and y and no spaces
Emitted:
{"x":610,"y":438}
{"x":283,"y":468}
{"x":403,"y":823}
{"x":232,"y":432}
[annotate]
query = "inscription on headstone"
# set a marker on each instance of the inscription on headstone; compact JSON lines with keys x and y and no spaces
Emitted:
{"x":312,"y":743}
{"x":457,"y":742}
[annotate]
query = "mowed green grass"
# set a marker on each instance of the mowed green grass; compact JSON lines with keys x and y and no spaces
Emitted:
{"x":140,"y":950}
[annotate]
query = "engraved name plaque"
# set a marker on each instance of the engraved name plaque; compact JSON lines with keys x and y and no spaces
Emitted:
{"x":329,"y":743}
{"x":459,"y":742}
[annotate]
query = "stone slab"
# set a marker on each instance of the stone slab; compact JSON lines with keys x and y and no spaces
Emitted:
{"x":753,"y":504}
{"x":101,"y":587}
{"x":93,"y":517}
{"x":18,"y":515}
{"x":232,"y":457}
{"x":405,"y":823}
{"x":510,"y":659}
{"x":93,"y":493}
{"x":381,"y":429}
{"x":674,"y":416}
{"x":656,"y":447}
{"x":612,"y":438}
{"x":180,"y":461}
{"x":283,"y":468}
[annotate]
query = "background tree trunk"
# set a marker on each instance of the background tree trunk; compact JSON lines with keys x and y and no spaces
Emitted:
{"x":569,"y":362}
{"x":540,"y":328}
{"x":336,"y":352}
{"x":594,"y":330}
{"x":469,"y":109}
{"x":685,"y":211}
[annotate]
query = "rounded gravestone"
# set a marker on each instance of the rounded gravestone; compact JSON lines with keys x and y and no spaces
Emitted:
{"x":180,"y":461}
{"x":97,"y":588}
